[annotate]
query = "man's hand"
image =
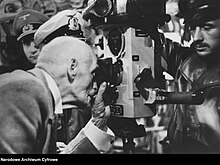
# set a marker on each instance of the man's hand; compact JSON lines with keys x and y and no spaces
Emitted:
{"x":100,"y":113}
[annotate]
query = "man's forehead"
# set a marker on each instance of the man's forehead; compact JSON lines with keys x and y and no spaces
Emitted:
{"x":94,"y":64}
{"x":87,"y":56}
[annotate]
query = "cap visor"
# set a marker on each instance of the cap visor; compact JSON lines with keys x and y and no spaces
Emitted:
{"x":25,"y":34}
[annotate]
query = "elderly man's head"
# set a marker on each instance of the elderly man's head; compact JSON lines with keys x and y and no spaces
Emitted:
{"x":71,"y":62}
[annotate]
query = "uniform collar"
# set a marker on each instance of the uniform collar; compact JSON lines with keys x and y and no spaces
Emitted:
{"x":192,"y":68}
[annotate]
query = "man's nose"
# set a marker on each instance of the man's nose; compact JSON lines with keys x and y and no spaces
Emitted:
{"x":197,"y":34}
{"x":94,"y":89}
{"x":32,"y":47}
{"x":95,"y":86}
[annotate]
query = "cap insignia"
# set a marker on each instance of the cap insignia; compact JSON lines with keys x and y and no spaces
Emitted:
{"x":73,"y":23}
{"x":24,"y":17}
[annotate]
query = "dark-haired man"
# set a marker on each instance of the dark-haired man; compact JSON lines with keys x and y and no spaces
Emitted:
{"x":25,"y":25}
{"x":196,"y":128}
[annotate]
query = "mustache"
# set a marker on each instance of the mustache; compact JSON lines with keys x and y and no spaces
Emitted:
{"x":199,"y":44}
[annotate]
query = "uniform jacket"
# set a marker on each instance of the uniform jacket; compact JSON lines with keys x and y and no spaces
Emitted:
{"x":194,"y":128}
{"x":28,"y":124}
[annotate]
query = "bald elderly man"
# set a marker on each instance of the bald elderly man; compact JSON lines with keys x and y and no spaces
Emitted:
{"x":65,"y":23}
{"x":31,"y":100}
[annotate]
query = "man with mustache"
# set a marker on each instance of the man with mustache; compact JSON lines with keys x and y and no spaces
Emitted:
{"x":196,"y":128}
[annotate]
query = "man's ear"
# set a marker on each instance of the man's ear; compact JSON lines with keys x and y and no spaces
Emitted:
{"x":72,"y":69}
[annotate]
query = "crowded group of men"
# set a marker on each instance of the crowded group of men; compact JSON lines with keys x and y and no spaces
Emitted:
{"x":57,"y":107}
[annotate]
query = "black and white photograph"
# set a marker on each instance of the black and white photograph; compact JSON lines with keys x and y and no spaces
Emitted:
{"x":112,"y":77}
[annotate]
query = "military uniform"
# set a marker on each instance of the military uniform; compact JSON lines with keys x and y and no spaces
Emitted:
{"x":195,"y":128}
